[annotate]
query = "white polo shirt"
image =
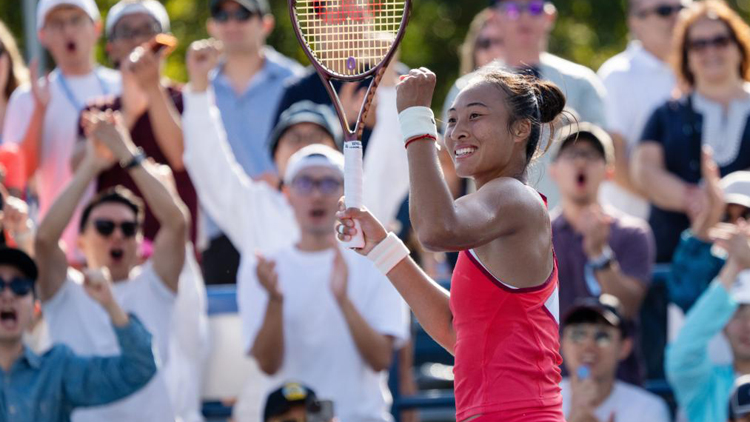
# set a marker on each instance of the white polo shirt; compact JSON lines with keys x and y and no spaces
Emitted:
{"x":637,"y":83}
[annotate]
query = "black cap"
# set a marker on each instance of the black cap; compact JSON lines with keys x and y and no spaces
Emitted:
{"x":255,"y":6}
{"x":306,"y":112}
{"x":287,"y":396}
{"x":19,"y":259}
{"x":590,"y":309}
{"x":739,"y":401}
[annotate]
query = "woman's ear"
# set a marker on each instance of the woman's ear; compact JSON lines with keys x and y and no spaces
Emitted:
{"x":521,"y":130}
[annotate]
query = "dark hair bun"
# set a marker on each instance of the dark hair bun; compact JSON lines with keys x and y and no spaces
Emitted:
{"x":551,"y":100}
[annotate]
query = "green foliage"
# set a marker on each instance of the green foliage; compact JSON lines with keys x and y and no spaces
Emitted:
{"x":587,"y":31}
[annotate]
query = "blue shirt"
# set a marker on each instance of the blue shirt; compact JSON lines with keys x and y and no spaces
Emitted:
{"x":249,"y":117}
{"x":48,"y":387}
{"x":702,"y":389}
{"x":693,"y":268}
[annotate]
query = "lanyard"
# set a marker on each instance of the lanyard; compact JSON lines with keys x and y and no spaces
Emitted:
{"x":69,"y":92}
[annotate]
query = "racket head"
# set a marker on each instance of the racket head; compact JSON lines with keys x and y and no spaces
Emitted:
{"x":349,"y":40}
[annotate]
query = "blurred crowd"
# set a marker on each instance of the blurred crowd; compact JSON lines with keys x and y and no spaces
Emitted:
{"x":125,"y":193}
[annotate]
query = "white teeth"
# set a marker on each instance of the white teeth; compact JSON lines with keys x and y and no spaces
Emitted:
{"x":464,"y":151}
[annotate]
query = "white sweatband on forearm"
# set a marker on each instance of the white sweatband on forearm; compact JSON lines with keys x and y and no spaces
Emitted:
{"x":388,"y":253}
{"x":417,"y":121}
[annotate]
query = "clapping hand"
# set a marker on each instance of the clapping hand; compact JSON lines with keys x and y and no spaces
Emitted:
{"x":39,"y":86}
{"x":594,"y":225}
{"x":107,"y":130}
{"x":268,"y":277}
{"x":711,"y":198}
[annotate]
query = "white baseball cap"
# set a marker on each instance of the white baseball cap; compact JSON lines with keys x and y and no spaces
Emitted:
{"x":736,"y":187}
{"x":130,"y":7}
{"x":315,"y":155}
{"x":46,"y":6}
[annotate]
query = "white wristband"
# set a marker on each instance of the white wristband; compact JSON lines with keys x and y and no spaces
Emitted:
{"x":417,"y":121}
{"x":388,"y":253}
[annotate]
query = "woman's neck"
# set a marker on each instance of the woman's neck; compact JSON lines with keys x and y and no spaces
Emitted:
{"x":722,"y":92}
{"x":514,"y":169}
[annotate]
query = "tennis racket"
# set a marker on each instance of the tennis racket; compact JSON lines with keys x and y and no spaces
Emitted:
{"x":350,"y":41}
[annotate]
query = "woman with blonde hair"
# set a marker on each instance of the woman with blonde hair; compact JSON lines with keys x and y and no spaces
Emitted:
{"x":712,"y":61}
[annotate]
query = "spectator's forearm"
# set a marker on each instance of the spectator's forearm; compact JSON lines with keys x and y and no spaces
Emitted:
{"x":166,"y":206}
{"x":167,"y":124}
{"x":375,"y":348}
{"x":268,"y":348}
{"x":32,"y":140}
{"x":627,"y":289}
{"x":662,"y":188}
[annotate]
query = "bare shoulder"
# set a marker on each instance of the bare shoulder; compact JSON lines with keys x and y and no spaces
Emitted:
{"x":513,"y":196}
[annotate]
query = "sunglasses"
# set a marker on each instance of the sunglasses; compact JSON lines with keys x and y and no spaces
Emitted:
{"x":305,"y":185}
{"x":487,"y":43}
{"x":601,"y":338}
{"x":663,"y":11}
{"x":514,"y":9}
{"x":702,"y":44}
{"x":107,"y":227}
{"x":240,"y":15}
{"x":19,"y":286}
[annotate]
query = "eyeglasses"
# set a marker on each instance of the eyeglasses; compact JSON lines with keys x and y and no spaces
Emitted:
{"x":663,"y":11}
{"x":588,"y":155}
{"x":124,"y":32}
{"x":702,"y":44}
{"x":240,"y":15}
{"x":514,"y":9}
{"x":75,"y":22}
{"x":578,"y":335}
{"x":19,"y":286}
{"x":487,"y":43}
{"x":107,"y":227}
{"x":305,"y":185}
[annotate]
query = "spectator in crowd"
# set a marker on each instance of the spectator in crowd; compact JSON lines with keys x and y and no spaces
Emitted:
{"x":48,"y":387}
{"x":713,"y":60}
{"x":595,"y":339}
{"x":700,"y":386}
{"x":739,"y":402}
{"x":599,"y":249}
{"x":247,"y":85}
{"x":293,"y":402}
{"x":525,"y":26}
{"x":109,"y":237}
{"x":694,"y":264}
{"x":637,"y":81}
{"x":13,"y":73}
{"x":42,"y":117}
{"x":320,"y":314}
{"x":150,"y":105}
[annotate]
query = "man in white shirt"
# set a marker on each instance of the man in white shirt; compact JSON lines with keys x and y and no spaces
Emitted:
{"x":110,"y":237}
{"x":317,"y":312}
{"x":43,"y":117}
{"x":594,"y":340}
{"x":637,"y":81}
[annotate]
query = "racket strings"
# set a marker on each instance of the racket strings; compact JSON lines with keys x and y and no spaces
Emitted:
{"x":349,"y":37}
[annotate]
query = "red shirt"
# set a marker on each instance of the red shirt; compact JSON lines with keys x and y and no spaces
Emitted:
{"x":507,"y":346}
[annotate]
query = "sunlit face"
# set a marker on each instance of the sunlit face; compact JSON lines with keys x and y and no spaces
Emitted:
{"x":525,"y":24}
{"x":70,"y":35}
{"x":598,"y":346}
{"x":489,"y":45}
{"x":652,"y":22}
{"x":129,"y":32}
{"x":579,"y":170}
{"x":314,"y":194}
{"x":737,"y":331}
{"x":239,"y":30}
{"x":117,"y":251}
{"x":16,"y":312}
{"x":734,"y":212}
{"x":477,"y":135}
{"x":713,"y":56}
{"x":297,"y":137}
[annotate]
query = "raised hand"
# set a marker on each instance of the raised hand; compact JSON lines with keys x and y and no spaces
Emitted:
{"x":98,"y":285}
{"x":143,"y":64}
{"x":202,"y":57}
{"x":373,"y":230}
{"x":339,"y":276}
{"x":735,"y":239}
{"x":15,"y":216}
{"x":268,"y":278}
{"x":594,"y":225}
{"x":712,"y":197}
{"x":97,"y":154}
{"x":415,"y":89}
{"x":107,"y":129}
{"x":39,"y":86}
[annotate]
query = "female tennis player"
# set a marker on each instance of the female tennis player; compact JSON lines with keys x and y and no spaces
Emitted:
{"x":500,"y":319}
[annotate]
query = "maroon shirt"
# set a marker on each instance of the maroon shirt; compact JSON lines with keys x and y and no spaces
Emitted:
{"x":144,"y":137}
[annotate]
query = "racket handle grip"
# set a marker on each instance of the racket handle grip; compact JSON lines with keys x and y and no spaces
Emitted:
{"x":353,"y":187}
